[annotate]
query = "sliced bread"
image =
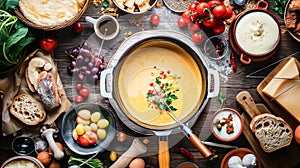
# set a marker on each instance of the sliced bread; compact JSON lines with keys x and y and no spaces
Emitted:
{"x":27,"y":109}
{"x":272,"y":132}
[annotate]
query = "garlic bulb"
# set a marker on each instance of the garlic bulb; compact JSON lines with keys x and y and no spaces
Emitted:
{"x":249,"y":160}
{"x":235,"y":162}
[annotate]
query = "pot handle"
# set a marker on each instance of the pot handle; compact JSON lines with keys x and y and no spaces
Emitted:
{"x":244,"y":59}
{"x":215,"y":75}
{"x":163,"y":152}
{"x":262,"y":5}
{"x":103,"y":84}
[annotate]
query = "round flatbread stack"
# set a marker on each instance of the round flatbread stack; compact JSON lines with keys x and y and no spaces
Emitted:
{"x":50,"y":12}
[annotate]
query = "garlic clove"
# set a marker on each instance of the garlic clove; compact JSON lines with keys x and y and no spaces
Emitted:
{"x":235,"y":162}
{"x":249,"y":160}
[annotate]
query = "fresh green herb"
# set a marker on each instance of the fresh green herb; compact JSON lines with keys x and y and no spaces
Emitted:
{"x":279,"y":6}
{"x":222,"y":99}
{"x":14,"y":35}
{"x":94,"y":163}
{"x":165,"y":89}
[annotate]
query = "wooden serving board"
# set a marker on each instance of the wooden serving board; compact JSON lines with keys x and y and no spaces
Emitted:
{"x":285,"y":157}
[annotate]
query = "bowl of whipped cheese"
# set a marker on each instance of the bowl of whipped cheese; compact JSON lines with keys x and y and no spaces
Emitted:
{"x":255,"y":34}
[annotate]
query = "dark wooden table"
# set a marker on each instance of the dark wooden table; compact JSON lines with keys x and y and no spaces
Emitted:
{"x":237,"y":82}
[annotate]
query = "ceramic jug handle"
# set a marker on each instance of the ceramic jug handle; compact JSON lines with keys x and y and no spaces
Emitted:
{"x":90,"y":19}
{"x":244,"y":59}
{"x":262,"y":5}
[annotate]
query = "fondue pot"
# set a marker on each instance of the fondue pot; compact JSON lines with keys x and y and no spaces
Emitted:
{"x":255,"y":34}
{"x":133,"y":64}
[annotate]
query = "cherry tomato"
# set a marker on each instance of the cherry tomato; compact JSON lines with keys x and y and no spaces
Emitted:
{"x":79,"y":99}
{"x":219,"y":11}
{"x":219,"y":28}
{"x":197,"y":38}
{"x":202,"y":9}
{"x":186,"y":16}
{"x":192,"y":6}
{"x":214,"y":3}
{"x":84,"y":92}
{"x":155,"y":19}
{"x":181,"y":23}
{"x":77,"y":27}
{"x":209,"y":23}
{"x":78,"y":86}
{"x":48,"y":43}
{"x":229,"y":13}
{"x":194,"y":26}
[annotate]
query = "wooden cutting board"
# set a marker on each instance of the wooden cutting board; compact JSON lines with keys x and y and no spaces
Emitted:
{"x":286,"y":157}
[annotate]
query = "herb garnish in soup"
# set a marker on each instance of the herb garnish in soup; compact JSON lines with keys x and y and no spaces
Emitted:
{"x":167,"y":87}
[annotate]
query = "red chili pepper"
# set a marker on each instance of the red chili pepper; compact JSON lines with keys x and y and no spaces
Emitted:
{"x":233,"y":63}
{"x":186,"y":153}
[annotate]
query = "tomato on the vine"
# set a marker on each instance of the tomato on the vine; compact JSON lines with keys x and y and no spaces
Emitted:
{"x":77,"y":27}
{"x":219,"y":28}
{"x":219,"y":11}
{"x":215,"y":3}
{"x":48,"y":43}
{"x":192,"y":6}
{"x":181,"y":23}
{"x":194,"y":26}
{"x":202,"y":9}
{"x":155,"y":19}
{"x":84,"y":92}
{"x":79,"y":99}
{"x":209,"y":23}
{"x":229,"y":13}
{"x":186,"y":16}
{"x":197,"y":38}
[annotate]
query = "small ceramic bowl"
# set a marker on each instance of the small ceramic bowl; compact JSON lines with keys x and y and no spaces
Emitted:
{"x":23,"y":145}
{"x":216,"y":47}
{"x":26,"y":161}
{"x":240,"y":152}
{"x":187,"y":165}
{"x":224,"y":127}
{"x":69,"y":124}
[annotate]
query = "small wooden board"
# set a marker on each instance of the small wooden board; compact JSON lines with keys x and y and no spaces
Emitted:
{"x":285,"y":157}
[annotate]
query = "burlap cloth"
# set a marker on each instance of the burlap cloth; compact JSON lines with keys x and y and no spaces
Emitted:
{"x":16,"y":84}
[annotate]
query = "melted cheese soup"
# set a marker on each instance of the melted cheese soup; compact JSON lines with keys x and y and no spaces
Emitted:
{"x":257,"y":33}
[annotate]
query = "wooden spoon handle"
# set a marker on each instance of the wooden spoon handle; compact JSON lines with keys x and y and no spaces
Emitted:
{"x":163,"y":153}
{"x":136,"y":148}
{"x":247,"y":103}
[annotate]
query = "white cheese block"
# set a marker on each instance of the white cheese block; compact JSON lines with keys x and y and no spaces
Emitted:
{"x":290,"y":99}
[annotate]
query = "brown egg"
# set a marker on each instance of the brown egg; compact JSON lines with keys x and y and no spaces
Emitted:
{"x":137,"y":163}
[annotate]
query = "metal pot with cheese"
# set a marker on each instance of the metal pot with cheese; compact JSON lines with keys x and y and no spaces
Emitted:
{"x":256,"y":34}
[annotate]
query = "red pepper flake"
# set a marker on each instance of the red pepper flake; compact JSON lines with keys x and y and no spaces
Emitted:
{"x":233,"y":63}
{"x":162,"y":72}
{"x":151,"y":84}
{"x":186,"y":153}
{"x":165,"y":76}
{"x":162,"y":85}
{"x":168,"y":71}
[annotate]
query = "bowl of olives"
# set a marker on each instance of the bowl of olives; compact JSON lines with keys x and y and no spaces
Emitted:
{"x":88,"y":128}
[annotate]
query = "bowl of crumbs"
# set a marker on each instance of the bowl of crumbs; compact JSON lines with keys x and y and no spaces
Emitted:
{"x":135,"y":6}
{"x":226,"y":124}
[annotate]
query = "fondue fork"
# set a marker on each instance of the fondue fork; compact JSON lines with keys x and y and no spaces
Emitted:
{"x":202,"y":148}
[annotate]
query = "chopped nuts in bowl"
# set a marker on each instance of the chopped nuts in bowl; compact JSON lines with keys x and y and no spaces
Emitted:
{"x":226,"y":124}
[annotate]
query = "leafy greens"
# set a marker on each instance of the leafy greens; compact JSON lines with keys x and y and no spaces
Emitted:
{"x":14,"y":35}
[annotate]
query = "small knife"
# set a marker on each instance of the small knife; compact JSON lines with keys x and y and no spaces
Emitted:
{"x":219,"y":145}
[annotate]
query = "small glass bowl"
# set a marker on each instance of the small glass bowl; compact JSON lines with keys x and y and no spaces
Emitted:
{"x":216,"y":47}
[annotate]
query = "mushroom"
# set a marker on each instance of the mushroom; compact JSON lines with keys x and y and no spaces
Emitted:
{"x":47,"y":131}
{"x":235,"y":162}
{"x":249,"y":160}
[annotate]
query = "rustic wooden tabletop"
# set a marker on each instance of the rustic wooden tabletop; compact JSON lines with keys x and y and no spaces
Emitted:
{"x":231,"y":85}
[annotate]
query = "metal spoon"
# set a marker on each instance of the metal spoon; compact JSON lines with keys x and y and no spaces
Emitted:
{"x":102,"y":42}
{"x":78,"y":166}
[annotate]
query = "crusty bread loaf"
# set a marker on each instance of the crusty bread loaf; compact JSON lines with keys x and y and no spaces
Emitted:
{"x":47,"y":90}
{"x":27,"y":109}
{"x":272,"y":132}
